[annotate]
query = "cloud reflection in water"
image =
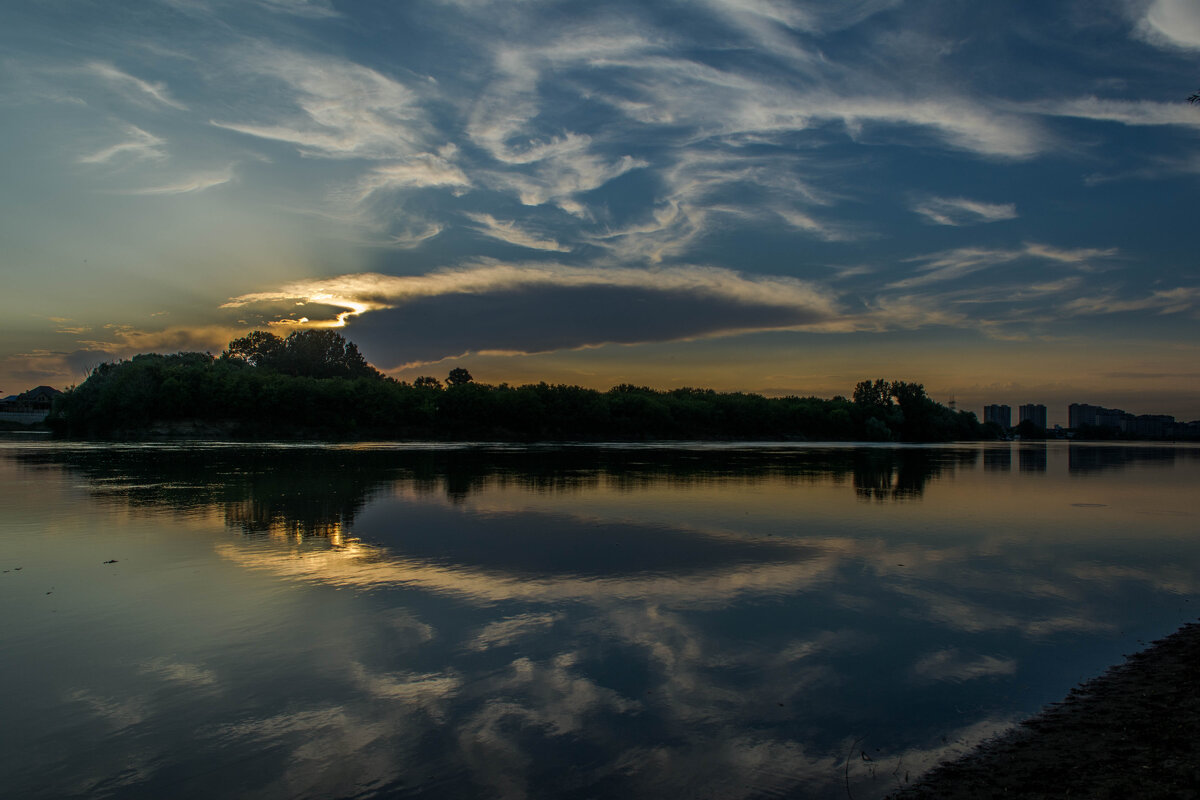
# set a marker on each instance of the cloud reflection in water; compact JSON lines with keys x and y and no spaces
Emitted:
{"x":517,"y":620}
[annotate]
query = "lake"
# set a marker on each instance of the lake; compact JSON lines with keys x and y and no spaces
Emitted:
{"x":694,"y":620}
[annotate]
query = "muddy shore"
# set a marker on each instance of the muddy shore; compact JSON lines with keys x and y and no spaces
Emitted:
{"x":1132,"y":732}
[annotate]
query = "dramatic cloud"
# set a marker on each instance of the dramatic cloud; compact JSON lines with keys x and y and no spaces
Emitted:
{"x":490,"y":307}
{"x":889,"y":151}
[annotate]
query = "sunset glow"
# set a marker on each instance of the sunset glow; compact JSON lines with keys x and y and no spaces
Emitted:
{"x":784,"y":198}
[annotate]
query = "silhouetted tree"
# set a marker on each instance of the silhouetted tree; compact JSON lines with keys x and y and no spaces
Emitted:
{"x":314,"y":353}
{"x":307,"y":386}
{"x":457,"y":377}
{"x":1028,"y":430}
{"x":257,"y":348}
{"x":323,"y":353}
{"x":908,"y":395}
{"x":877,"y":395}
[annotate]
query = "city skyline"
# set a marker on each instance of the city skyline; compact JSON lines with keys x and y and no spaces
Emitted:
{"x":737,"y":194}
{"x":1043,"y":416}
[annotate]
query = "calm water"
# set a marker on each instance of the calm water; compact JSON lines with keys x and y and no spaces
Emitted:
{"x":698,"y":621}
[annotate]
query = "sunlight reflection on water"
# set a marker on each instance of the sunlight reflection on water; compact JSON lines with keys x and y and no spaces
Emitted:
{"x":716,"y":620}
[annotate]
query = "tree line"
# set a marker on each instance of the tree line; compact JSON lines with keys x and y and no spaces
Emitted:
{"x":315,"y":384}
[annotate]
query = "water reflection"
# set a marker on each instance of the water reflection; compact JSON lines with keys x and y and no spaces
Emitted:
{"x":998,"y":458}
{"x":313,"y":491}
{"x":591,"y":622}
{"x":1033,"y":456}
{"x":1095,"y":458}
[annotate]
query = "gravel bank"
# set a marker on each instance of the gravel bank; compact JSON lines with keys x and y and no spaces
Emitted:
{"x":1132,"y":732}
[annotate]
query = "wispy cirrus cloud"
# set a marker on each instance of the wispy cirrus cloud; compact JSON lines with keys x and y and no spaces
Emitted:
{"x":138,"y":145}
{"x":509,"y":232}
{"x":666,"y":88}
{"x":668,"y":230}
{"x":1125,"y":112}
{"x":415,"y":234}
{"x":964,"y":261}
{"x":133,"y":87}
{"x":558,"y":178}
{"x":216,"y":9}
{"x":726,"y":102}
{"x":312,"y":9}
{"x":422,"y":170}
{"x":511,"y":120}
{"x":188,"y":184}
{"x":958,"y":211}
{"x":699,"y":189}
{"x":757,"y":16}
{"x":1155,"y":168}
{"x":827,"y":231}
{"x":1161,"y":301}
{"x":955,"y":264}
{"x":338,"y":109}
{"x":1077,"y":256}
{"x":959,"y":122}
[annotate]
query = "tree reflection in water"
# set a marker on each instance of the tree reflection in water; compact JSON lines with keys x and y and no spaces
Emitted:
{"x":318,"y":491}
{"x":649,"y":621}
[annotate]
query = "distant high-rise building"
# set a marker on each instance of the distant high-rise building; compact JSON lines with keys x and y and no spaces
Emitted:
{"x":1146,"y":426}
{"x":1035,"y":413}
{"x":1001,"y":415}
{"x":1081,"y":414}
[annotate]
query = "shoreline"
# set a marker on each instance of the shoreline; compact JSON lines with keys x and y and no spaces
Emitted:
{"x":1132,"y":732}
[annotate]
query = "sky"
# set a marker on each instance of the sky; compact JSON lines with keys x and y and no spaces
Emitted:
{"x":997,"y":200}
